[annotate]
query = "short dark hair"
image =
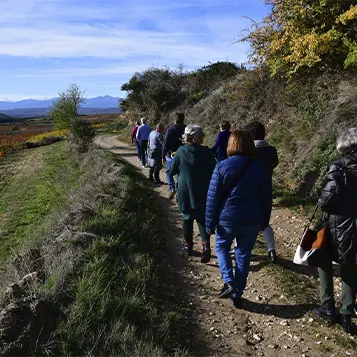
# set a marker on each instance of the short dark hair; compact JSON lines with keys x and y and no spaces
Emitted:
{"x":225,"y":125}
{"x":241,"y":143}
{"x":257,"y":129}
{"x":179,"y":118}
{"x":138,"y":122}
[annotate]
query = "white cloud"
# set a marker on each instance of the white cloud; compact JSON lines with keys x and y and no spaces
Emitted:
{"x":87,"y":40}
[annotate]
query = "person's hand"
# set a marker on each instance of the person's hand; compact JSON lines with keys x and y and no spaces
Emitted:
{"x":164,"y":160}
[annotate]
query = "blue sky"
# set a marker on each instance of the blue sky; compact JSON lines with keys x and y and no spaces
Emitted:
{"x":46,"y":45}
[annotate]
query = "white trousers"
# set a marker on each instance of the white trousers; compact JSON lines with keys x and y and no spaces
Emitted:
{"x":268,"y":235}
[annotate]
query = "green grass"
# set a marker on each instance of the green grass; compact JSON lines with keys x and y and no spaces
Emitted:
{"x":292,"y":283}
{"x":39,"y":188}
{"x":121,"y":300}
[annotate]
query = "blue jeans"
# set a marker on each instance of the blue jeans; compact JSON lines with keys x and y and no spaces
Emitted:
{"x":245,"y":237}
{"x":170,"y":179}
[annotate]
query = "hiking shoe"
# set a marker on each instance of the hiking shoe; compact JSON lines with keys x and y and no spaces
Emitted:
{"x":272,"y":256}
{"x":347,"y":325}
{"x":151,"y":179}
{"x":327,"y":313}
{"x":160,"y":182}
{"x":227,"y":291}
{"x":206,"y":253}
{"x":172,"y":195}
{"x":237,"y":301}
{"x":186,"y":249}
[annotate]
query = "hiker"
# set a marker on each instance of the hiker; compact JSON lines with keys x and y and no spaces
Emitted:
{"x":268,"y":156}
{"x":195,"y":163}
{"x":338,"y":202}
{"x":142,"y":135}
{"x":133,"y":137}
{"x":220,"y":147}
{"x":173,"y":140}
{"x":156,"y":139}
{"x":239,"y":204}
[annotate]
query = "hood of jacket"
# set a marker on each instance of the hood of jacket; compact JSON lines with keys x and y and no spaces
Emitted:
{"x":194,"y":154}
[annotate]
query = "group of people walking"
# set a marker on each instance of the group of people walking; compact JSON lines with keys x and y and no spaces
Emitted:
{"x":227,"y":190}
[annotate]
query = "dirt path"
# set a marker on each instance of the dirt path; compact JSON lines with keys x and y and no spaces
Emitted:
{"x":276,"y":318}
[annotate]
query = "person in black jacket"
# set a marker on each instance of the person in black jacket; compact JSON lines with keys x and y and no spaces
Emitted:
{"x":338,"y":201}
{"x":173,"y":140}
{"x":268,"y":156}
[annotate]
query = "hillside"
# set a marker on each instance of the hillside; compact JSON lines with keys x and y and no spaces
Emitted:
{"x":5,"y":118}
{"x":303,"y":116}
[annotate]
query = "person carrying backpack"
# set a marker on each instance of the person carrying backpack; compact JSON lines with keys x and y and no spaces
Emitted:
{"x":268,"y":156}
{"x":156,"y":140}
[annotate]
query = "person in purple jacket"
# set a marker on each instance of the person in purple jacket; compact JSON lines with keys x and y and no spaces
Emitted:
{"x":220,"y":147}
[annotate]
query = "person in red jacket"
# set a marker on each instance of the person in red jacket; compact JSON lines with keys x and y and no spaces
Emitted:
{"x":133,"y":137}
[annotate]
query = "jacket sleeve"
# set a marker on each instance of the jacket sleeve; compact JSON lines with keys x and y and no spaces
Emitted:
{"x":332,"y":192}
{"x":138,"y":135}
{"x":175,"y":166}
{"x":215,"y":147}
{"x":275,"y":159}
{"x":214,"y":197}
{"x":266,"y":197}
{"x":165,"y":148}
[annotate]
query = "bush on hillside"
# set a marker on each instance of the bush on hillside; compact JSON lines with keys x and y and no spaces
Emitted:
{"x":154,"y":91}
{"x":159,"y":91}
{"x":83,"y":134}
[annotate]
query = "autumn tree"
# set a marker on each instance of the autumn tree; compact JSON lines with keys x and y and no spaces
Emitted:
{"x":304,"y":34}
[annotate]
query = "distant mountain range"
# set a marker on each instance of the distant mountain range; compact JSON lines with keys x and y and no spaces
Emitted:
{"x":98,"y":102}
{"x":35,"y":108}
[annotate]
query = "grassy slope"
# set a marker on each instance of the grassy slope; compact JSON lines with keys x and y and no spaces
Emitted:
{"x":118,"y":297}
{"x":118,"y":308}
{"x":41,"y":184}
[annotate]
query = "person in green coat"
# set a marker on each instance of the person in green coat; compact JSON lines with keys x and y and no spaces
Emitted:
{"x":195,"y":164}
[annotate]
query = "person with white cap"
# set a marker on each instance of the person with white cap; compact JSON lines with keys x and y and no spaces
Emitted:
{"x":195,"y":164}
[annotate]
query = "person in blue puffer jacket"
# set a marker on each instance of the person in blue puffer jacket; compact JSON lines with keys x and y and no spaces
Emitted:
{"x":239,"y":204}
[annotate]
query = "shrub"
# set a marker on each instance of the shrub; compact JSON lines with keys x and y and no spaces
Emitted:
{"x":82,"y":134}
{"x":66,"y":107}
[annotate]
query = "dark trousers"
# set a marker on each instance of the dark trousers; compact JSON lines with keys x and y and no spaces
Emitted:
{"x":143,"y":148}
{"x":154,"y":173}
{"x":137,"y":143}
{"x":349,"y":286}
{"x":187,"y":228}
